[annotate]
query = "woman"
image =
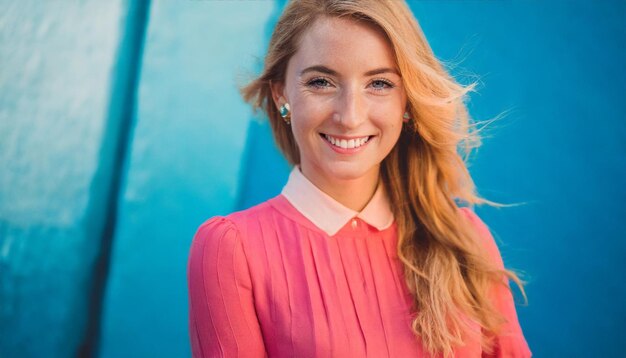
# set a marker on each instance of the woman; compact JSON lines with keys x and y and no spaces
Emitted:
{"x":364,"y":252}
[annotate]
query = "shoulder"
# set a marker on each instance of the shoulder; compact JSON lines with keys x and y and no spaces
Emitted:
{"x":259,"y":212}
{"x":483,"y":234}
{"x":231,"y":229}
{"x":220,"y":249}
{"x":215,"y":228}
{"x":216,"y":237}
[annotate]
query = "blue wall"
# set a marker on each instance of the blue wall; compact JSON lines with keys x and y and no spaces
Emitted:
{"x":559,"y":69}
{"x":185,"y":159}
{"x":121,"y":130}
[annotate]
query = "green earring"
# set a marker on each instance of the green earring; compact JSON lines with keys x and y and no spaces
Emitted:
{"x":284,"y":112}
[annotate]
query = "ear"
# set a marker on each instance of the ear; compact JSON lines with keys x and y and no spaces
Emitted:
{"x":278,"y":93}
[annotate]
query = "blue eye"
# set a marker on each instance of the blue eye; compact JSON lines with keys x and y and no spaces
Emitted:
{"x":318,"y":83}
{"x":380,"y":85}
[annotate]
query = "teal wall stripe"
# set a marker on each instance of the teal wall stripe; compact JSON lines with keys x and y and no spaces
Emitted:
{"x":102,"y":211}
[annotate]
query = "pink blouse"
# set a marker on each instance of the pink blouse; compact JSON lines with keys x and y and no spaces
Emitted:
{"x":300,"y":275}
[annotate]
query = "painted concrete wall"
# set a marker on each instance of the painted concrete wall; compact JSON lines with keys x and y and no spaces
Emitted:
{"x":62,"y":84}
{"x":558,"y":68}
{"x":121,"y":130}
{"x":186,"y":158}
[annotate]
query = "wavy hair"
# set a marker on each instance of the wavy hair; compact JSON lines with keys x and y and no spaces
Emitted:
{"x":446,"y":267}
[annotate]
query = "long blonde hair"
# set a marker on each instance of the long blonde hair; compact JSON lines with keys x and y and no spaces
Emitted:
{"x":447,"y":269}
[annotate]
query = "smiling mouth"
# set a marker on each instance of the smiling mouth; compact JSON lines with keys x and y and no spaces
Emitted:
{"x":346,"y":143}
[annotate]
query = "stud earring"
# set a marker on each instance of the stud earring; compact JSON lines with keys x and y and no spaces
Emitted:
{"x":406,"y":117}
{"x":284,"y":112}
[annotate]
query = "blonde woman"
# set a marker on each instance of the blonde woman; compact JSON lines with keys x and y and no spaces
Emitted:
{"x":365,"y":252}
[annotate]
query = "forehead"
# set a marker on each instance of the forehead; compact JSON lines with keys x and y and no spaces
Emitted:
{"x":344,"y":44}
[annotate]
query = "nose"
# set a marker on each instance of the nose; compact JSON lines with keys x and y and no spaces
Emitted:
{"x":350,"y":108}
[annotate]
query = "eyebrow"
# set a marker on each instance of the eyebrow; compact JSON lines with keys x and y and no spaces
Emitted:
{"x":326,"y":70}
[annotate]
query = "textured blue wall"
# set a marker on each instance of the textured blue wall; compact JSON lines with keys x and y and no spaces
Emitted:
{"x":184,"y":165}
{"x":115,"y":146}
{"x":64,"y":77}
{"x":559,"y":68}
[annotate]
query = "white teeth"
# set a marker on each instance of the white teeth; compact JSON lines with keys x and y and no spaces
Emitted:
{"x":345,"y":144}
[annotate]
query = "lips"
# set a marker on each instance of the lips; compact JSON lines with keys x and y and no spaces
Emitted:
{"x":346,"y":142}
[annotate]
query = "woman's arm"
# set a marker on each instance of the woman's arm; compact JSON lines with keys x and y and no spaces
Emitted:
{"x":222,"y":317}
{"x":510,"y":342}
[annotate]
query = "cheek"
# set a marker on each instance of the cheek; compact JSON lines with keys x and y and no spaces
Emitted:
{"x":390,"y":130}
{"x":388,"y":120}
{"x":393,"y":130}
{"x":309,"y":115}
{"x":303,"y":127}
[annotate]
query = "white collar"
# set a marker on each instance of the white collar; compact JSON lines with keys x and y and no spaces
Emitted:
{"x":327,"y":213}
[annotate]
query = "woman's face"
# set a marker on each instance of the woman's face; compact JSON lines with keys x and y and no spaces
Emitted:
{"x":346,"y":98}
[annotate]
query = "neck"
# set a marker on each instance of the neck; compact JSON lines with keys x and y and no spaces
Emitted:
{"x":351,"y":193}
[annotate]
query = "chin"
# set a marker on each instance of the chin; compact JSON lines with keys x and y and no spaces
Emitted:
{"x":348,"y":171}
